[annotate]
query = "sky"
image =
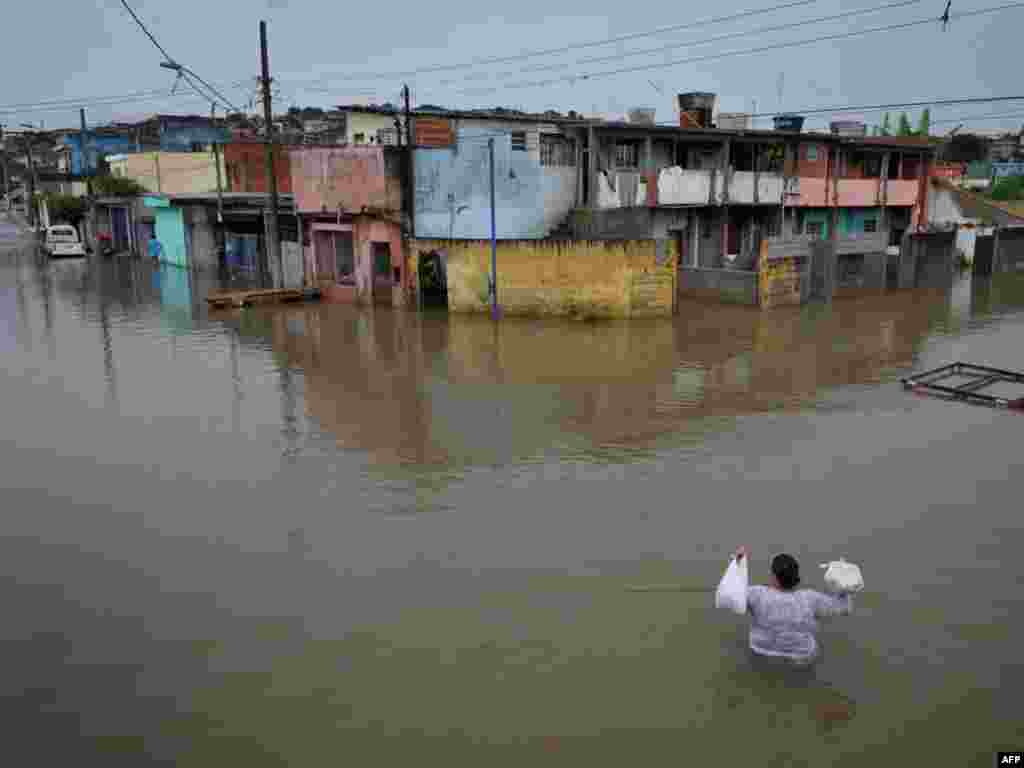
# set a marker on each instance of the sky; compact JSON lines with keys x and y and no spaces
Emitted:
{"x":325,"y":54}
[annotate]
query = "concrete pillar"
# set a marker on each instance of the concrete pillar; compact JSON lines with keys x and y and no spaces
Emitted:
{"x":594,"y":154}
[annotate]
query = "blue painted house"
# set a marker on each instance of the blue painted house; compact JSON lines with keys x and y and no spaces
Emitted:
{"x":534,"y":169}
{"x":181,"y":133}
{"x":70,"y":158}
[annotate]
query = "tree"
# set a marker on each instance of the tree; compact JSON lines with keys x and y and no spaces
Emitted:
{"x":64,"y":208}
{"x":886,"y":126}
{"x":904,"y":128}
{"x":877,"y":131}
{"x":925,"y":124}
{"x":965,"y":148}
{"x":117,"y":186}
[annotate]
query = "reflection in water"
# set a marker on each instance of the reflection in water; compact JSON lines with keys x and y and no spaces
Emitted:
{"x":432,"y":389}
{"x":324,"y":530}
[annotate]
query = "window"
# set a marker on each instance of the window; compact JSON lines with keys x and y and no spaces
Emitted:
{"x":626,"y":155}
{"x":518,"y":141}
{"x":359,"y":138}
{"x":870,"y":226}
{"x":811,"y":152}
{"x":814,"y":229}
{"x":557,"y":151}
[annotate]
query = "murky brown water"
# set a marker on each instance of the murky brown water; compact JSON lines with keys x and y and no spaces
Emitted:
{"x":325,"y":535}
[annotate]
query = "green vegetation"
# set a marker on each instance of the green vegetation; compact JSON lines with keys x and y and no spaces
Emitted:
{"x":117,"y":186}
{"x":64,"y":208}
{"x":1008,"y":188}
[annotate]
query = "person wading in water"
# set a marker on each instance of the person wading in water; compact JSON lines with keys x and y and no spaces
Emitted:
{"x":784,"y":618}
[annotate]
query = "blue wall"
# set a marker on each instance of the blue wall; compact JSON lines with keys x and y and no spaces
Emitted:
{"x":179,"y":137}
{"x":459,"y":179}
{"x":98,"y":145}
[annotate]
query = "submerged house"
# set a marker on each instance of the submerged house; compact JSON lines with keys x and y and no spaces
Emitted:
{"x":349,"y":201}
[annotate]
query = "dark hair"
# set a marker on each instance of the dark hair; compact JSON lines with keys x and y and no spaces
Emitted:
{"x":786,"y":571}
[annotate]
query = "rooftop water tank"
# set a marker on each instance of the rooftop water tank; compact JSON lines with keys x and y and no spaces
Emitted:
{"x":696,"y":110}
{"x":794,"y":123}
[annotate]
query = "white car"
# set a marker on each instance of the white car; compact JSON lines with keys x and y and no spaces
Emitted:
{"x":61,"y":240}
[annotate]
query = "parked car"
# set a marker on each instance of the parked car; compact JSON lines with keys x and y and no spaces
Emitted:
{"x":62,"y":241}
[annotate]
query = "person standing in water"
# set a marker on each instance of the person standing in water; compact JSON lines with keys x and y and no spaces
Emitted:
{"x":785,"y":619}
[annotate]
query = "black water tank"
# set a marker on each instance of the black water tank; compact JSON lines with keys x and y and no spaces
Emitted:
{"x":794,"y":123}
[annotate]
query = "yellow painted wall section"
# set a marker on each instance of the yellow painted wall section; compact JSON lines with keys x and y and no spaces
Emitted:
{"x":171,"y":173}
{"x":574,"y":278}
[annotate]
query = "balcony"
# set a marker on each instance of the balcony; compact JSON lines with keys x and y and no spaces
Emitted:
{"x":747,"y":187}
{"x":678,"y":186}
{"x":856,"y":193}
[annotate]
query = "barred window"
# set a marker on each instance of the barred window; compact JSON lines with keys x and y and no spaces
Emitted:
{"x":870,"y":225}
{"x":519,"y":141}
{"x":557,"y":151}
{"x":626,"y":155}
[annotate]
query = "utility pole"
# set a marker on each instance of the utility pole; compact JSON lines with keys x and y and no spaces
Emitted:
{"x":84,"y":137}
{"x":30,"y":207}
{"x":494,"y":239}
{"x":220,"y":195}
{"x":410,"y":171}
{"x":273,"y":238}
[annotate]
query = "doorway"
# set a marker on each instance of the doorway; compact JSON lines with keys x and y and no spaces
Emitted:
{"x":433,"y":280}
{"x":383,"y":281}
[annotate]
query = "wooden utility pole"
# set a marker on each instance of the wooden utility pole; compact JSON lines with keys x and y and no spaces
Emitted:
{"x":30,"y":181}
{"x":273,"y":238}
{"x":84,"y":137}
{"x":410,"y":169}
{"x":220,"y":194}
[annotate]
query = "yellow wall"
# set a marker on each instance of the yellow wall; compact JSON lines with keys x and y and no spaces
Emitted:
{"x":171,"y":173}
{"x":581,"y":278}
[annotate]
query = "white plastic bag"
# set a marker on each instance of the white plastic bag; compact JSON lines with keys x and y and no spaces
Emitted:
{"x":841,"y":576}
{"x":732,"y":589}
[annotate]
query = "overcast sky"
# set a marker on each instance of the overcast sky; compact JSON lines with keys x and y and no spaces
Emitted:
{"x":92,"y":48}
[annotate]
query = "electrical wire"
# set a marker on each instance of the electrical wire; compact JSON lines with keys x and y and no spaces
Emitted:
{"x":170,"y":59}
{"x":566,"y":48}
{"x":742,"y":52}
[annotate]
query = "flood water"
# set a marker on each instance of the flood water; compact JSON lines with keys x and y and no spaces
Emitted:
{"x":325,"y":535}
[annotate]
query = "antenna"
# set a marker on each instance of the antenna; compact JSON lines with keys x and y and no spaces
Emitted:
{"x":780,"y":87}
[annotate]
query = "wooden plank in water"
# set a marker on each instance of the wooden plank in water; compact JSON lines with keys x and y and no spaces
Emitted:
{"x":245,"y":298}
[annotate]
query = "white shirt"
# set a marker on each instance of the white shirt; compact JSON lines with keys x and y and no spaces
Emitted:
{"x":785,"y":622}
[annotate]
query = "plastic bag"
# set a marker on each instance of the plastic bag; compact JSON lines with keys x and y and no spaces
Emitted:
{"x":732,"y":589}
{"x":841,"y":576}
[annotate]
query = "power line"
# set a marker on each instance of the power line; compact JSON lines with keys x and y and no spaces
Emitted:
{"x":172,"y":64}
{"x":688,"y":44}
{"x":736,"y":35}
{"x":896,"y":105}
{"x":566,"y":48}
{"x":743,"y":52}
{"x":147,"y":32}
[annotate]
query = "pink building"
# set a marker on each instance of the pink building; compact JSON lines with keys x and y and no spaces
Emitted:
{"x":350,"y":201}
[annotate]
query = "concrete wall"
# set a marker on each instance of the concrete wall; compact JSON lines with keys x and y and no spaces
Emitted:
{"x":200,"y":222}
{"x":170,"y":173}
{"x":245,"y":168}
{"x":732,"y":286}
{"x":1008,"y":252}
{"x":551,"y":277}
{"x":453,"y":186}
{"x":981,"y":264}
{"x":326,"y":179}
{"x":927,"y":260}
{"x":678,"y":186}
